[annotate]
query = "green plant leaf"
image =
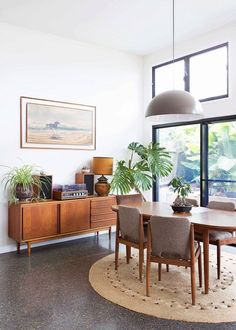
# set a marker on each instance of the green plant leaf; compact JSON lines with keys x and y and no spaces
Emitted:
{"x":152,"y":161}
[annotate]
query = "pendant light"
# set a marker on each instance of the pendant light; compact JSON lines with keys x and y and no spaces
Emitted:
{"x":174,"y":105}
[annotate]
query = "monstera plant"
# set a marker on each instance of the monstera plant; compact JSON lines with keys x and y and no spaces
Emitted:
{"x":145,"y":164}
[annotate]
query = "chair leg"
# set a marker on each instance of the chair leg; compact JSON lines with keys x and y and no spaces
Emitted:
{"x":148,"y":269}
{"x":128,"y":253}
{"x":218,"y":259}
{"x":116,"y":254}
{"x":193,"y":287}
{"x":159,"y":272}
{"x":140,"y":264}
{"x":167,"y":268}
{"x":200,"y":268}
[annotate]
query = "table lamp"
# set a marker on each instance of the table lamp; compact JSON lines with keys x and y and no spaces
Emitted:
{"x":102,"y":166}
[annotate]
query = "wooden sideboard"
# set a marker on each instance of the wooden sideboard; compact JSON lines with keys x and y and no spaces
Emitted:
{"x":40,"y":221}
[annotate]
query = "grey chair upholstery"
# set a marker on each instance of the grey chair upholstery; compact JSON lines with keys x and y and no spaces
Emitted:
{"x":219,"y":238}
{"x":192,"y":201}
{"x":129,"y":199}
{"x":129,"y":223}
{"x":226,"y":206}
{"x":130,"y":232}
{"x":171,"y":241}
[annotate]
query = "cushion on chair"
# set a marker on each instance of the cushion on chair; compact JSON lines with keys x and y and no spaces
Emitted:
{"x":214,"y":235}
{"x":170,"y":237}
{"x":129,"y":199}
{"x":225,"y":206}
{"x":129,"y":218}
{"x":192,"y":201}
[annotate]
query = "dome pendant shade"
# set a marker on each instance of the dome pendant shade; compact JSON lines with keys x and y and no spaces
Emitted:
{"x":175,"y":102}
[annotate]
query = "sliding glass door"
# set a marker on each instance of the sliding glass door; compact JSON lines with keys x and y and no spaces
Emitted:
{"x":183,"y":142}
{"x":204,"y":154}
{"x":222,"y":160}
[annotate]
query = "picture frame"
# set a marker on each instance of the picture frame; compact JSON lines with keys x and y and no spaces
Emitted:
{"x":47,"y":124}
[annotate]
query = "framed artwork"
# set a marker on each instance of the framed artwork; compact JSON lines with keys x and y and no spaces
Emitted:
{"x":50,"y":124}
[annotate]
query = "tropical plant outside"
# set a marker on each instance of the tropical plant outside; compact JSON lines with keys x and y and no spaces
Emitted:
{"x":183,"y":142}
{"x":145,"y":164}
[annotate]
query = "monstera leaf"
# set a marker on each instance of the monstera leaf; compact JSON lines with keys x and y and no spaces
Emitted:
{"x":146,"y":163}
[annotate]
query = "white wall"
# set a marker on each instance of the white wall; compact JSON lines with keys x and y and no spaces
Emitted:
{"x":44,"y":66}
{"x":215,"y":108}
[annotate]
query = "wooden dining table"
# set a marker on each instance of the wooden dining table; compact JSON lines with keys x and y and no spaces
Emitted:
{"x":203,"y":218}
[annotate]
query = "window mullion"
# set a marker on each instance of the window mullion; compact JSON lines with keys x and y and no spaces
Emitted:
{"x":186,"y":74}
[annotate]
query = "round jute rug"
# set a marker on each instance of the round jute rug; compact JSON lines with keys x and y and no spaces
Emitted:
{"x":171,"y":297}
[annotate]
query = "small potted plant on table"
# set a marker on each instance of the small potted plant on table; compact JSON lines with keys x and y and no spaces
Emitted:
{"x":182,"y":188}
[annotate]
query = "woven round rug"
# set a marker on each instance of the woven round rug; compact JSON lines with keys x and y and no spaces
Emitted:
{"x":169,"y":298}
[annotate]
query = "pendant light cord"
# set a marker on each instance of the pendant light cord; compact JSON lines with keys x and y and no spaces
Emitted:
{"x":173,"y":44}
{"x":173,"y":31}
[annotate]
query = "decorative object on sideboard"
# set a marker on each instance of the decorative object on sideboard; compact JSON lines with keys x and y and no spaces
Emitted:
{"x":102,"y":166}
{"x":88,"y":179}
{"x":57,"y":125}
{"x":45,"y":191}
{"x":70,"y":191}
{"x":138,"y":173}
{"x":85,"y":169}
{"x":22,"y":181}
{"x":182,"y":188}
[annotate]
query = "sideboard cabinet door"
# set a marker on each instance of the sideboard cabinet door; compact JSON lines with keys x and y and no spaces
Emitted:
{"x":74,"y":216}
{"x":39,"y":221}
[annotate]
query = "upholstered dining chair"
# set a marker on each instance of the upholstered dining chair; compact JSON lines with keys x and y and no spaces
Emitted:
{"x":192,"y":201}
{"x":171,"y":241}
{"x":129,"y":199}
{"x":130,"y":232}
{"x":219,"y":238}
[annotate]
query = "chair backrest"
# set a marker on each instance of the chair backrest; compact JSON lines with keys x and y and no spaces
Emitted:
{"x":170,"y":237}
{"x":192,"y":201}
{"x":129,"y":221}
{"x":226,"y":206}
{"x":128,"y":199}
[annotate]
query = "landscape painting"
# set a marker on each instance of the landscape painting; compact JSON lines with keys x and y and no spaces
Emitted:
{"x":52,"y":124}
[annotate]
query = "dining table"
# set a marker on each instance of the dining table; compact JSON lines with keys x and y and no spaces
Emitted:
{"x":203,"y":219}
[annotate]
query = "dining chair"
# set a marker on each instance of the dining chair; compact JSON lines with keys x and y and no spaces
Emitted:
{"x":192,"y":201}
{"x":219,"y":238}
{"x":171,"y":241}
{"x":130,"y":231}
{"x":129,"y":199}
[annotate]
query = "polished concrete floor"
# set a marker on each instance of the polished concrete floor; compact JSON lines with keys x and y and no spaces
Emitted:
{"x":50,"y":290}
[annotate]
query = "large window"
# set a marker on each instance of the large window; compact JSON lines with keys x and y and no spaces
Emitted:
{"x":204,"y":154}
{"x":204,"y":74}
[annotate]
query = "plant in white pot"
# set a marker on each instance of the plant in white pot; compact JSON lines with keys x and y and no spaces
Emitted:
{"x":20,"y":182}
{"x":182,"y":188}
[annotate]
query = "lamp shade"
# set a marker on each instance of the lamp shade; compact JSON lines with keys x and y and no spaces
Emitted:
{"x":103,"y":165}
{"x":175,"y":102}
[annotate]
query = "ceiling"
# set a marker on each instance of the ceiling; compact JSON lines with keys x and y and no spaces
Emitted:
{"x":136,"y":26}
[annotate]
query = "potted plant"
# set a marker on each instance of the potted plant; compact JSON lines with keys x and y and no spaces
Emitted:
{"x":145,"y":164}
{"x":182,"y":188}
{"x":20,"y":182}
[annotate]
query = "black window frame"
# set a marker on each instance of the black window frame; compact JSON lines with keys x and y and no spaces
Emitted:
{"x":203,"y":152}
{"x":187,"y":73}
